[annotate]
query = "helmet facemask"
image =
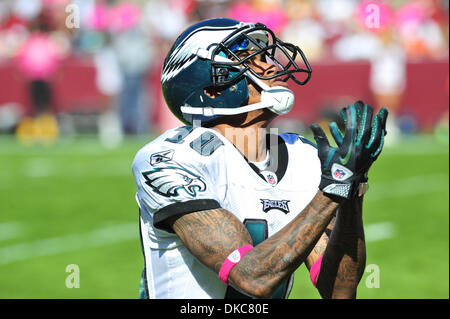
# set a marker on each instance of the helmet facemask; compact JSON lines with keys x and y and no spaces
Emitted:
{"x":289,"y":59}
{"x":229,"y":69}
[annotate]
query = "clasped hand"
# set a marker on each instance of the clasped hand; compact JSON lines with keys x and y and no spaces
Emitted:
{"x":346,"y":166}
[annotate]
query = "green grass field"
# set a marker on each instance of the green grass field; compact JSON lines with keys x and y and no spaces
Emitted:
{"x":73,"y":203}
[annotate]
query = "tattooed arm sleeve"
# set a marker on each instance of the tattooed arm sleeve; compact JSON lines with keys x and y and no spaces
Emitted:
{"x":211,"y":235}
{"x":344,"y":253}
{"x":319,"y":248}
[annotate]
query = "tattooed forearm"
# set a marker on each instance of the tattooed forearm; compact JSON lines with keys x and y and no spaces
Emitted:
{"x":344,"y":259}
{"x":212,"y":235}
{"x":278,"y":256}
{"x":321,"y":245}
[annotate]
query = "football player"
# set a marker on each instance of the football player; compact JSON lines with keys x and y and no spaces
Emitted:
{"x":230,"y":209}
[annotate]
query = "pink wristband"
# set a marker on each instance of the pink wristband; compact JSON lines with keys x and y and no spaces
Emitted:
{"x":315,"y":270}
{"x":232,"y":260}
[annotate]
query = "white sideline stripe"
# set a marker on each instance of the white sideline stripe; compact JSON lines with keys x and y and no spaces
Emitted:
{"x":52,"y":246}
{"x":115,"y":234}
{"x":10,"y":230}
{"x":379,"y":231}
{"x":394,"y":150}
{"x":110,"y":235}
{"x":37,"y":168}
{"x":45,"y":167}
{"x":410,"y":186}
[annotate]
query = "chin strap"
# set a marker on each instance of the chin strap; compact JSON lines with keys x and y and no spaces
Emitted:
{"x":278,"y":99}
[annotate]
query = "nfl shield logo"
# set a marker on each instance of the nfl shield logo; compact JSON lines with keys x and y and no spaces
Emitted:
{"x":339,"y":174}
{"x":270,"y":177}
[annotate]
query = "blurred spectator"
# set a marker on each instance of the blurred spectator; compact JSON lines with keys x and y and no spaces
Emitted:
{"x":268,"y":12}
{"x":376,"y":42}
{"x":26,"y":10}
{"x":304,"y":29}
{"x":167,"y":18}
{"x":204,"y":9}
{"x":110,"y":83}
{"x":388,"y":80}
{"x":109,"y":78}
{"x":420,"y":33}
{"x":38,"y":60}
{"x":126,"y":42}
{"x":336,"y":11}
{"x":135,"y":54}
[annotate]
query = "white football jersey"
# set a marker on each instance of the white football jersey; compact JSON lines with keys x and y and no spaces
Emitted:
{"x":191,"y":169}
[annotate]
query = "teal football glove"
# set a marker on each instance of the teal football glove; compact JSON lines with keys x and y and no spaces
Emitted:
{"x":345,"y":167}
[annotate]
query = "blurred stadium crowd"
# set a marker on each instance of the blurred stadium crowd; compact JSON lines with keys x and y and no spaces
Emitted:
{"x":126,"y":41}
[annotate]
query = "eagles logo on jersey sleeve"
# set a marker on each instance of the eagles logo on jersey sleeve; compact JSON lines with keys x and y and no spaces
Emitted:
{"x":171,"y":180}
{"x":172,"y":175}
